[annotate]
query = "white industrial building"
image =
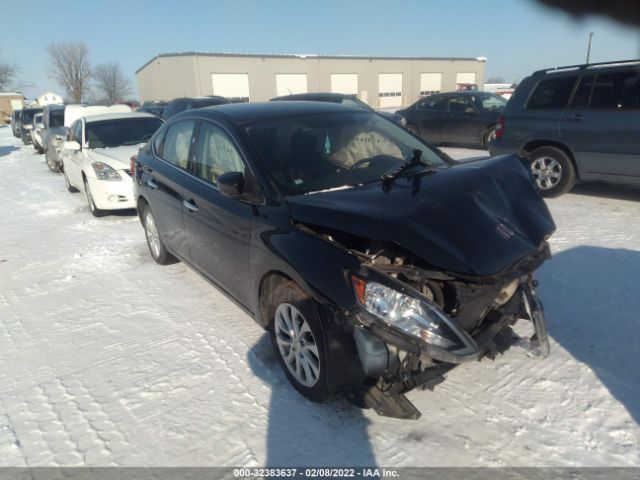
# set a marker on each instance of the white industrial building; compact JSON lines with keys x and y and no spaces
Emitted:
{"x":382,"y":82}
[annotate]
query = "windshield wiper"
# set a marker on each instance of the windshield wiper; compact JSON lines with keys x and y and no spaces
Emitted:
{"x":388,"y":177}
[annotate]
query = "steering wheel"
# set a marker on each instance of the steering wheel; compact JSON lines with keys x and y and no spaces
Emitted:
{"x":371,"y":160}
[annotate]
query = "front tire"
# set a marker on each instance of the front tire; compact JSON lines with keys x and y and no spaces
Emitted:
{"x":51,"y":164}
{"x":158,"y":251}
{"x":552,"y":171}
{"x":95,"y":211}
{"x":297,"y":336}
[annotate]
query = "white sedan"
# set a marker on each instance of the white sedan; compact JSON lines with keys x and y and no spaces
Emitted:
{"x":96,"y":157}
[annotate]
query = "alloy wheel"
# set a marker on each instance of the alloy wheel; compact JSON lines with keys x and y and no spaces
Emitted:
{"x":546,"y":171}
{"x":297,"y":345}
{"x":151,"y":230}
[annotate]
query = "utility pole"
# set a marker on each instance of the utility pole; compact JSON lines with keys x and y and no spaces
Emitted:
{"x":589,"y":47}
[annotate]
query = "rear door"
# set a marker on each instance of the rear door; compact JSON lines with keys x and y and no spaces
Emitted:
{"x":163,"y":183}
{"x":463,"y":122}
{"x":430,"y":114}
{"x":218,"y":227}
{"x":603,"y":124}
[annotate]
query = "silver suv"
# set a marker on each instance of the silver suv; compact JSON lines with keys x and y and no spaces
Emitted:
{"x":575,"y":123}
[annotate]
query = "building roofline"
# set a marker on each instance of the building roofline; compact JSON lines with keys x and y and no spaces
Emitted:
{"x":304,"y":56}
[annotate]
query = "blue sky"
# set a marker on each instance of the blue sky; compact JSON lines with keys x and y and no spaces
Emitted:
{"x":517,"y":36}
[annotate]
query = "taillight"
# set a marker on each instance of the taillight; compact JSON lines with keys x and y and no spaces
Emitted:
{"x":500,"y":127}
{"x":132,"y":164}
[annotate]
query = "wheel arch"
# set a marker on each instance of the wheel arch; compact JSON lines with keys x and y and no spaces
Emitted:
{"x":534,"y":144}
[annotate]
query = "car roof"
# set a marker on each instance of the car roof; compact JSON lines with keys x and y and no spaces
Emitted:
{"x":118,"y":116}
{"x":322,"y":96}
{"x":250,"y":112}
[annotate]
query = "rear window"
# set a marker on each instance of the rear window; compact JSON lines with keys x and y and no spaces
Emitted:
{"x":552,"y":94}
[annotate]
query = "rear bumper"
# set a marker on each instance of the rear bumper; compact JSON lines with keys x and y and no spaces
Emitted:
{"x":500,"y":147}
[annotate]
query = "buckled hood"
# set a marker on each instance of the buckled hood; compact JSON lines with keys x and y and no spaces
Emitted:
{"x":474,"y":218}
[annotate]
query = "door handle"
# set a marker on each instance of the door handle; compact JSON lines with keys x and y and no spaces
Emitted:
{"x":189,"y":205}
{"x":151,"y":184}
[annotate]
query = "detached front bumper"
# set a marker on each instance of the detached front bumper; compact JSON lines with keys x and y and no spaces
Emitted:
{"x":113,"y":194}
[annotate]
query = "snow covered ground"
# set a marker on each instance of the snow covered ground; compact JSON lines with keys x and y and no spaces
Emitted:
{"x":109,"y":359}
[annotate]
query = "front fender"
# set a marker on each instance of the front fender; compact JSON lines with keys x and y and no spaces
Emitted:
{"x":322,"y":274}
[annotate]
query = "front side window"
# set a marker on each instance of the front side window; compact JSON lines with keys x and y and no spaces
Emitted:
{"x":77,"y":132}
{"x":216,"y":154}
{"x":552,"y":94}
{"x":582,"y":97}
{"x":177,"y":142}
{"x":461,"y":104}
{"x":617,"y":91}
{"x":316,"y":152}
{"x":71,"y":134}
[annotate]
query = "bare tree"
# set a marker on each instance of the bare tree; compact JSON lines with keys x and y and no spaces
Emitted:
{"x":70,"y":67}
{"x":8,"y":72}
{"x":110,"y":83}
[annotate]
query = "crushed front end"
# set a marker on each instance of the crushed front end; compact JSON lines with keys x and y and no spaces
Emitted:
{"x":415,"y":324}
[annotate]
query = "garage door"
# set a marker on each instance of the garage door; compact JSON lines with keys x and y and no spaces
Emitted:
{"x":430,"y":83}
{"x":291,"y":83}
{"x":346,"y":83}
{"x":234,"y":86}
{"x":466,"y":78}
{"x":390,"y":89}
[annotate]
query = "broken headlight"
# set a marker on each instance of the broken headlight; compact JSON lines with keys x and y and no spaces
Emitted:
{"x":409,"y":314}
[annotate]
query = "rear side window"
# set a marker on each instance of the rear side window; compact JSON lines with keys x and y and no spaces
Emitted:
{"x":552,"y":94}
{"x":617,"y":91}
{"x":436,"y":103}
{"x":217,"y":154}
{"x":177,"y":142}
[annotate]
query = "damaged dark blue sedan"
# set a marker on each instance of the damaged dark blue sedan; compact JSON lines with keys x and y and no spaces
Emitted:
{"x":376,"y":264}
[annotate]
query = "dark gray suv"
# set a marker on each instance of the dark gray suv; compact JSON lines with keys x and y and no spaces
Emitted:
{"x":575,"y":123}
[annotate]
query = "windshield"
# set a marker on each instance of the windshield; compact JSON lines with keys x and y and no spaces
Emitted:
{"x":317,"y":152}
{"x":122,"y":131}
{"x":56,"y":118}
{"x":27,"y":115}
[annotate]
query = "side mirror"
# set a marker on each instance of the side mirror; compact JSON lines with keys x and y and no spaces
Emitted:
{"x":71,"y":145}
{"x":231,"y":184}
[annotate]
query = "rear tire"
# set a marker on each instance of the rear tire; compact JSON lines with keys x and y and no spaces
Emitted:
{"x":489,"y":136}
{"x":413,"y":129}
{"x":552,"y":171}
{"x":158,"y":251}
{"x":297,"y":336}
